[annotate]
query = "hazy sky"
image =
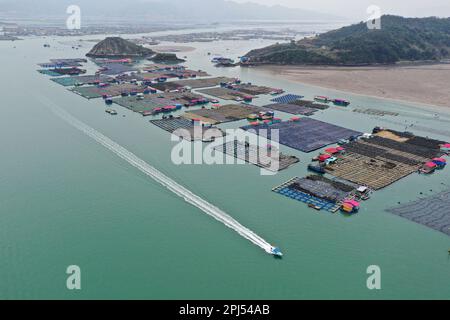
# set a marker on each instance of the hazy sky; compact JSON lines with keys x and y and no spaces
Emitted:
{"x":357,"y":8}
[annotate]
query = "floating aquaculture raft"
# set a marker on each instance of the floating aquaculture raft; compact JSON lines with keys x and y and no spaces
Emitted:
{"x":191,"y":128}
{"x":433,"y":212}
{"x":267,"y":158}
{"x":117,"y":68}
{"x":376,"y":112}
{"x":203,"y":83}
{"x":81,"y":80}
{"x":287,"y":98}
{"x":384,"y":158}
{"x":306,"y":134}
{"x":320,"y":192}
{"x":92,"y":92}
{"x":226,"y":113}
{"x":291,"y":108}
{"x":149,"y":103}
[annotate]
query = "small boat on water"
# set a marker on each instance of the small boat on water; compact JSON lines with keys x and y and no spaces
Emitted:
{"x":313,"y":206}
{"x":341,"y":102}
{"x":350,"y":206}
{"x":111,"y":112}
{"x":318,"y":169}
{"x":275,"y":251}
{"x":322,"y":99}
{"x":277,"y":92}
{"x":428,"y":168}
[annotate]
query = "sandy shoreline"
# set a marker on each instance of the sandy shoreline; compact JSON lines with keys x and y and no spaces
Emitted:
{"x":425,"y":84}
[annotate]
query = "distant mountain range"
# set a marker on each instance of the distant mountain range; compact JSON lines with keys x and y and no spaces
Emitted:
{"x":160,"y":10}
{"x":399,"y":39}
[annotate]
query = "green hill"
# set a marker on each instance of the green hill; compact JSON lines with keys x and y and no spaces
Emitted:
{"x":116,"y":47}
{"x":166,"y":58}
{"x":399,"y":39}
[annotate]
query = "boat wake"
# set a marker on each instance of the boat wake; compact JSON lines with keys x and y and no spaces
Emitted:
{"x":158,"y":176}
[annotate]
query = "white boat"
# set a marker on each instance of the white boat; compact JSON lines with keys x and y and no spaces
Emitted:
{"x":111,"y":112}
{"x":275,"y":251}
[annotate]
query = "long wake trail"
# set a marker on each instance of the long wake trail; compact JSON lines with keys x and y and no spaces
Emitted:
{"x":158,"y":176}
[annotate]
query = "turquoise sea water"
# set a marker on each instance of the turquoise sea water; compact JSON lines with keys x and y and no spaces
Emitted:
{"x":66,"y":200}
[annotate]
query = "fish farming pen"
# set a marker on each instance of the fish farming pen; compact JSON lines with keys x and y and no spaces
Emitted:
{"x":223,"y":114}
{"x":63,"y":63}
{"x":411,"y":146}
{"x":112,"y":69}
{"x":415,"y":140}
{"x":253,"y":90}
{"x":261,"y":157}
{"x":56,"y":65}
{"x":148,"y":103}
{"x":82,"y":80}
{"x":185,"y":73}
{"x":318,"y":192}
{"x":154,"y":76}
{"x":73,"y":71}
{"x":158,"y":67}
{"x":376,"y":173}
{"x":69,"y":60}
{"x":432,"y":212}
{"x":203,"y":83}
{"x":311,"y":104}
{"x":380,"y":161}
{"x":306,"y":134}
{"x":224,"y":93}
{"x":340,"y":185}
{"x":171,"y":125}
{"x":50,"y":73}
{"x":112,"y":90}
{"x":291,"y":108}
{"x":142,"y":76}
{"x":166,"y":86}
{"x":376,"y":112}
{"x":286,"y":99}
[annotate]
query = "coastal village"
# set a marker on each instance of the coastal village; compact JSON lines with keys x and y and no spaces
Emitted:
{"x":346,"y":165}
